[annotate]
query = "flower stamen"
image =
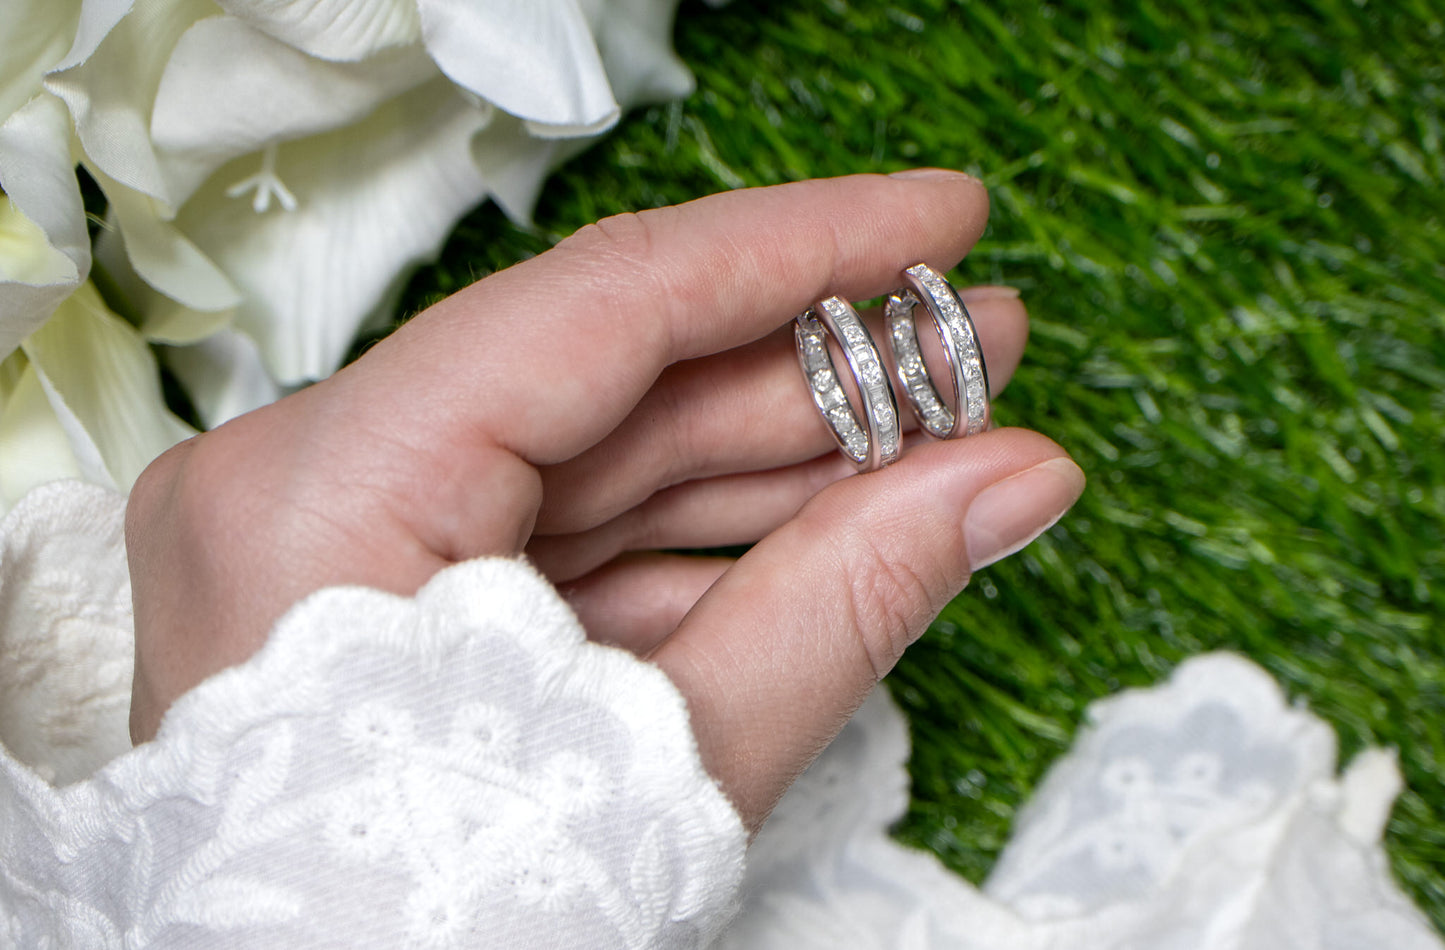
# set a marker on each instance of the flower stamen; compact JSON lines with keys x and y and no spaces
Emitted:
{"x":266,"y":184}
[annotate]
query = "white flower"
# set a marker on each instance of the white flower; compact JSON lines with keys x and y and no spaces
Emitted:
{"x":44,"y":248}
{"x":38,"y":33}
{"x":79,"y":391}
{"x":275,"y":167}
{"x":81,"y":397}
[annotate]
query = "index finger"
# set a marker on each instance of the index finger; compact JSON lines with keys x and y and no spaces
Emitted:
{"x":548,"y":356}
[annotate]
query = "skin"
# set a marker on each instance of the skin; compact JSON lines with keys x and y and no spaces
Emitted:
{"x":634,"y":388}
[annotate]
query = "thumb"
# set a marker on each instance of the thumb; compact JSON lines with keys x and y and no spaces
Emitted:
{"x":787,"y":644}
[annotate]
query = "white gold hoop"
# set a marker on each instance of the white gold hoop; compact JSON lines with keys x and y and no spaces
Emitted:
{"x":876,"y":441}
{"x":968,"y":411}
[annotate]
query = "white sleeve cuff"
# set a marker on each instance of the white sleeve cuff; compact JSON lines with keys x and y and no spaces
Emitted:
{"x":458,"y":768}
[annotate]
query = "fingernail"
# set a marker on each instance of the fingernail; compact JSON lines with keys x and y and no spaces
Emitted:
{"x":1007,"y":515}
{"x":933,"y":174}
{"x":985,"y":292}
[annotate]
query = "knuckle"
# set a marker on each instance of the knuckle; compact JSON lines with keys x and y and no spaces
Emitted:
{"x":891,"y":603}
{"x":628,"y":237}
{"x":639,"y":530}
{"x":152,"y":497}
{"x":628,"y":234}
{"x":205,"y":484}
{"x":620,"y":259}
{"x":190,"y":495}
{"x":679,"y":440}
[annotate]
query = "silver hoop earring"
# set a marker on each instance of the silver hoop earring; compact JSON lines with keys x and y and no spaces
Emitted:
{"x":875,"y":441}
{"x":967,"y":412}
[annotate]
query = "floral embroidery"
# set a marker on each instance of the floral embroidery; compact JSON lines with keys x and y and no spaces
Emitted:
{"x":367,"y":773}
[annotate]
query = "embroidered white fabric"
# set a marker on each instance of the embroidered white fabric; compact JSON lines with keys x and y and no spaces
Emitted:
{"x":462,"y":769}
{"x":458,"y":769}
{"x":1202,"y":814}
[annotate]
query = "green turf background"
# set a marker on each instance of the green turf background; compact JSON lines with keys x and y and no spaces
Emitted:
{"x":1227,"y":221}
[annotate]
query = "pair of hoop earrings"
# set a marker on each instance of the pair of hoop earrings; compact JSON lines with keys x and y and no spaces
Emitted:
{"x":876,"y":439}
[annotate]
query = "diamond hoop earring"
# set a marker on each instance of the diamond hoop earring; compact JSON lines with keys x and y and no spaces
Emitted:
{"x":968,"y":411}
{"x":875,"y":442}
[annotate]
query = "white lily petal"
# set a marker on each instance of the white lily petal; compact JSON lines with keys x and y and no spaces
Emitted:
{"x":534,"y":59}
{"x":102,"y":382}
{"x":44,"y":248}
{"x":267,"y":92}
{"x":164,"y":257}
{"x":372,"y":200}
{"x":635,"y":40}
{"x":333,"y":29}
{"x":33,"y":446}
{"x":37,"y":35}
{"x":167,"y":321}
{"x":26,"y":256}
{"x":111,"y":88}
{"x":161,"y":318}
{"x":97,"y":19}
{"x":224,"y":375}
{"x":514,"y":164}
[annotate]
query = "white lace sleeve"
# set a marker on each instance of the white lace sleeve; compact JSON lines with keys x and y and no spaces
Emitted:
{"x":458,"y":769}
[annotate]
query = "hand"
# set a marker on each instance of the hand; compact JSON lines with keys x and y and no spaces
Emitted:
{"x":634,"y":388}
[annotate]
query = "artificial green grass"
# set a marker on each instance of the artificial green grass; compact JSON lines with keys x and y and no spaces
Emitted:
{"x":1226,"y":219}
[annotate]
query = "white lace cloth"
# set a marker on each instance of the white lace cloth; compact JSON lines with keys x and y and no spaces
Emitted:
{"x":462,"y":769}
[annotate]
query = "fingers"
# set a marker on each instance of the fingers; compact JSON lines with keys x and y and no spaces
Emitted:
{"x":744,"y":410}
{"x":635,"y":602}
{"x":709,"y":513}
{"x":547,"y":357}
{"x":781,"y":650}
